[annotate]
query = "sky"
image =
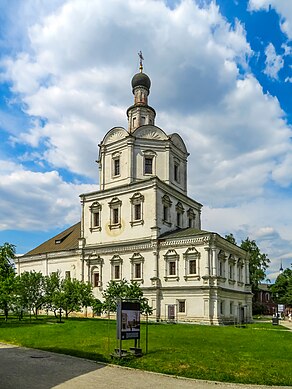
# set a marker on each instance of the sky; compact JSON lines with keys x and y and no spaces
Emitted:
{"x":221,"y":74}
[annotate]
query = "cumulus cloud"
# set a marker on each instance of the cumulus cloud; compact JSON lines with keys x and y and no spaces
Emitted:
{"x":72,"y":75}
{"x":37,"y":201}
{"x":274,"y":62}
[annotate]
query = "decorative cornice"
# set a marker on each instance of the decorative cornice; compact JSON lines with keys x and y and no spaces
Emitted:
{"x":186,"y":241}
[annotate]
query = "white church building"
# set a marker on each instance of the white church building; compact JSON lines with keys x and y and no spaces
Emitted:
{"x":142,"y":226}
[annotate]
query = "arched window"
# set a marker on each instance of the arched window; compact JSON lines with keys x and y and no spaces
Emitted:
{"x":137,"y":267}
{"x":116,"y":267}
{"x":95,"y":220}
{"x":137,"y":201}
{"x":171,"y":266}
{"x":115,"y":213}
{"x":166,"y":203}
{"x":192,"y":264}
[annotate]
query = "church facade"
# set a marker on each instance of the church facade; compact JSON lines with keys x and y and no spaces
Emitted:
{"x":142,"y":226}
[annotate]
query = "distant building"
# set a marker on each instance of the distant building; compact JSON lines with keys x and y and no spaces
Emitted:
{"x":262,"y":300}
{"x":142,"y":226}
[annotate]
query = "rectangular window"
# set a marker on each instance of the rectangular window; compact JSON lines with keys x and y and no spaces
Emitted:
{"x":116,"y":272}
{"x":165,"y":213}
{"x":176,"y":172}
{"x":137,"y":212}
{"x":96,"y":219}
{"x":115,"y":215}
{"x":192,"y":266}
{"x":148,"y":165}
{"x":222,"y":308}
{"x":231,"y":272}
{"x":178,"y":219}
{"x":231,"y":308}
{"x":116,"y":166}
{"x":137,"y":270}
{"x":191,"y":224}
{"x":171,"y":267}
{"x":67,"y":275}
{"x":95,"y":280}
{"x":182,"y":306}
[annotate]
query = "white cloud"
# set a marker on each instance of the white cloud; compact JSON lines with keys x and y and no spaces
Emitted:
{"x":274,"y":63}
{"x":282,"y":7}
{"x":73,"y":75}
{"x":37,"y":201}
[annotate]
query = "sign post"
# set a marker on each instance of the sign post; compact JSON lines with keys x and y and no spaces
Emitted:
{"x":128,"y":324}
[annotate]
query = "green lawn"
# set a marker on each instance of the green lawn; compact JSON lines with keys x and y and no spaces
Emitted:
{"x":258,"y":354}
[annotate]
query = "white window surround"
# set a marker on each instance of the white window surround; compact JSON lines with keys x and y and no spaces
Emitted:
{"x":221,"y":265}
{"x":231,"y":268}
{"x":116,"y":261}
{"x":179,"y":215}
{"x":137,"y":216}
{"x":115,"y":213}
{"x":176,"y":170}
{"x":181,"y":309}
{"x":149,"y":169}
{"x":137,"y":259}
{"x":171,"y":257}
{"x":95,"y":219}
{"x":166,"y":203}
{"x":191,"y":217}
{"x":191,"y":254}
{"x":116,"y":164}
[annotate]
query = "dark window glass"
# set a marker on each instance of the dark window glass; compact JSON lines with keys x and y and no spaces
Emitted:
{"x":96,"y":219}
{"x":192,"y":266}
{"x":115,"y":215}
{"x":116,"y":166}
{"x":181,"y":306}
{"x":172,"y":270}
{"x":148,"y":165}
{"x":137,"y":270}
{"x":137,"y":212}
{"x":117,"y":272}
{"x":96,"y":279}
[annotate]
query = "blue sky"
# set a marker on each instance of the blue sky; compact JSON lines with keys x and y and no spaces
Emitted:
{"x":221,"y":76}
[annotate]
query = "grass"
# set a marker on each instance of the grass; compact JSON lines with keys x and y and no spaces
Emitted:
{"x":258,"y":354}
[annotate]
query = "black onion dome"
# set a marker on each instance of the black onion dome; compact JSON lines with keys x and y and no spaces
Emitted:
{"x":141,"y":79}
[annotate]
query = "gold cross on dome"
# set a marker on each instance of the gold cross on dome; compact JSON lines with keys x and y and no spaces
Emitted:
{"x":141,"y":60}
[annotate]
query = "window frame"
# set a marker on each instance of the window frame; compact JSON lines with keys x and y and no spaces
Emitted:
{"x":116,"y":165}
{"x":192,"y":254}
{"x":166,"y":210}
{"x":95,"y":218}
{"x":137,"y":259}
{"x":171,"y":259}
{"x":115,"y":213}
{"x":137,"y":200}
{"x":116,"y":263}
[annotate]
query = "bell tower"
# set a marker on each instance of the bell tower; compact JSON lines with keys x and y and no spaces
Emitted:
{"x":140,"y":113}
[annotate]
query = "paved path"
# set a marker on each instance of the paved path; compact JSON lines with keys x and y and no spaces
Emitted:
{"x":23,"y":368}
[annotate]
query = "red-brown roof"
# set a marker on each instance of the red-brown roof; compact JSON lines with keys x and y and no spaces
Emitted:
{"x":66,"y":240}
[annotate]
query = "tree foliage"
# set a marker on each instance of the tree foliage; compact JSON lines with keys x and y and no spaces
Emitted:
{"x":124,"y":290}
{"x":7,"y":277}
{"x":282,"y":288}
{"x":258,"y":262}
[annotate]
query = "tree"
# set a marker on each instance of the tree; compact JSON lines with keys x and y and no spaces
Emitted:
{"x":124,"y":290}
{"x":258,"y":262}
{"x":72,"y":296}
{"x":282,"y":288}
{"x":7,"y":277}
{"x":30,"y":291}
